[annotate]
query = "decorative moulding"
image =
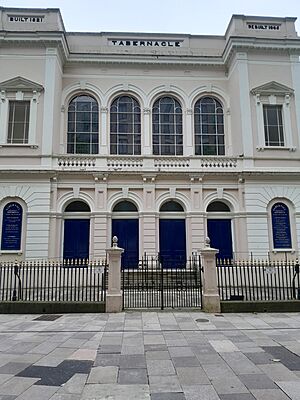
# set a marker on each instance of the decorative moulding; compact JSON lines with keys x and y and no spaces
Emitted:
{"x":272,"y":88}
{"x":20,"y":84}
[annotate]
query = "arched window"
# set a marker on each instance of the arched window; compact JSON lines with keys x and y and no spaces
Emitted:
{"x":217,"y":206}
{"x":209,"y":127}
{"x":77,"y":206}
{"x":171,"y":206}
{"x":12,"y":227}
{"x":125,"y":126}
{"x":167,"y":127}
{"x":125,"y":206}
{"x":83,"y":125}
{"x":281,"y":227}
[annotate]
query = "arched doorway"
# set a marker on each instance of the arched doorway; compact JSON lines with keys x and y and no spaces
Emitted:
{"x":76,"y":230}
{"x":219,"y":228}
{"x":172,"y":235}
{"x":125,"y":225}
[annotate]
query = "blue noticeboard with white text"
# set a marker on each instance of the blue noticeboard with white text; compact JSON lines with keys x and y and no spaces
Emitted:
{"x":281,"y":226}
{"x":12,"y":227}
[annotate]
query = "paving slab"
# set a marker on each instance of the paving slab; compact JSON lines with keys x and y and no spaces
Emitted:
{"x":103,"y":375}
{"x":116,"y":392}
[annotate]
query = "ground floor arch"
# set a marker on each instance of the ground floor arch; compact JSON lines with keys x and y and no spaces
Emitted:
{"x":172,"y":235}
{"x":125,"y":225}
{"x":76,"y":231}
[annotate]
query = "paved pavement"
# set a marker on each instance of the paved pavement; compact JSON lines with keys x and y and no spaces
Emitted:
{"x":150,"y":356}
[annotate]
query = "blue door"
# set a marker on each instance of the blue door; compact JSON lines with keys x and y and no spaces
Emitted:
{"x":76,"y":238}
{"x":172,"y":243}
{"x":127,"y":232}
{"x":219,"y":232}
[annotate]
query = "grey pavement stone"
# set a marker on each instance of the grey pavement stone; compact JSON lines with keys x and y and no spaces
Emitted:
{"x":106,"y":360}
{"x":111,"y":349}
{"x":17,"y":385}
{"x":13,"y":368}
{"x":192,"y":376}
{"x":5,"y":377}
{"x":160,"y":367}
{"x":157,"y":355}
{"x":257,"y":381}
{"x":278,"y":372}
{"x":269,"y":394}
{"x":228,"y":385}
{"x":237,"y":396}
{"x":120,"y":392}
{"x":38,"y":393}
{"x":287,"y":358}
{"x":186,"y":361}
{"x":164,"y":384}
{"x":181,"y":351}
{"x":65,"y":396}
{"x":133,"y":376}
{"x":197,"y":392}
{"x":75,"y":384}
{"x":259,"y":358}
{"x":132,"y":361}
{"x":103,"y":375}
{"x":240,"y":364}
{"x":291,"y":389}
{"x":7,"y":397}
{"x":168,"y":396}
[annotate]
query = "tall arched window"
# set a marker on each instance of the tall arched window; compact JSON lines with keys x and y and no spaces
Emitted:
{"x":281,"y":228}
{"x":167,"y":127}
{"x":209,"y":127}
{"x":12,"y":226}
{"x":83,"y":125}
{"x":125,"y":126}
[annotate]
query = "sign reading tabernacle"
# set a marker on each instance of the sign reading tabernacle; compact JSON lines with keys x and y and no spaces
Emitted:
{"x":281,"y":227}
{"x":11,"y":227}
{"x":146,"y":43}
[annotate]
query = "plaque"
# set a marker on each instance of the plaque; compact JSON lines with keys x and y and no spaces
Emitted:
{"x":281,"y":227}
{"x":12,"y":227}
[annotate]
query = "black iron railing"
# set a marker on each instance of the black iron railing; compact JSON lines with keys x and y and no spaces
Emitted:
{"x":70,"y":280}
{"x":149,"y":285}
{"x":258,"y":280}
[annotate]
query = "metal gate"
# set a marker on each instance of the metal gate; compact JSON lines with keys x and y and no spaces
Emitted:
{"x":152,"y":286}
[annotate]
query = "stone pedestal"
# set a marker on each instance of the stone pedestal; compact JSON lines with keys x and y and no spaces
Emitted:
{"x":211,"y":298}
{"x":114,"y":292}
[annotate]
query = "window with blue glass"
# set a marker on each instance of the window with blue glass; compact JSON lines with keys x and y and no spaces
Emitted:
{"x":125,"y":126}
{"x":12,"y":227}
{"x":209,"y":127}
{"x":281,"y":228}
{"x":83,"y":125}
{"x":167,"y":127}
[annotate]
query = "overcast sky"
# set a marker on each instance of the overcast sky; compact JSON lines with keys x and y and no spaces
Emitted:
{"x":205,"y":17}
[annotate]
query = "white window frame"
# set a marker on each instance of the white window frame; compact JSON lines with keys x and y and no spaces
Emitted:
{"x":271,"y":96}
{"x":19,"y":89}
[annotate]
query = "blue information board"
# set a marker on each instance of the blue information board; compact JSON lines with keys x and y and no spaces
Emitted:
{"x":281,"y":226}
{"x":12,"y":227}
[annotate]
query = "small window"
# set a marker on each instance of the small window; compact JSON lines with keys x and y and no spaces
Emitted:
{"x":171,"y":206}
{"x":273,"y":125}
{"x":125,"y":206}
{"x":12,"y":227}
{"x":18,"y":122}
{"x":217,"y":206}
{"x":77,"y":206}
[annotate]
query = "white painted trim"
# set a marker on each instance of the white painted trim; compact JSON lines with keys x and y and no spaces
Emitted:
{"x":49,"y":99}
